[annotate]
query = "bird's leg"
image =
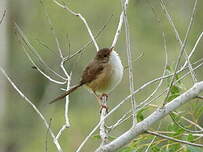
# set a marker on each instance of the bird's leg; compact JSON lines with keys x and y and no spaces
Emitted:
{"x":97,"y":97}
{"x":103,"y":100}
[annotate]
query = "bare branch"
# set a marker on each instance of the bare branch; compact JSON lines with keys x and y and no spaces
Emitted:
{"x":150,"y":144}
{"x":68,"y":76}
{"x":125,"y":117}
{"x":46,"y":142}
{"x":35,"y":109}
{"x":118,"y":31}
{"x":180,"y":53}
{"x":103,"y":131}
{"x":193,"y":49}
{"x":182,"y":117}
{"x":153,"y":118}
{"x":89,"y":42}
{"x":173,"y":139}
{"x":52,"y":29}
{"x":183,"y":127}
{"x":38,"y":68}
{"x":24,"y":39}
{"x":199,"y":97}
{"x":2,"y":18}
{"x":145,"y":103}
{"x":82,"y":18}
{"x":178,"y":36}
{"x":130,"y":65}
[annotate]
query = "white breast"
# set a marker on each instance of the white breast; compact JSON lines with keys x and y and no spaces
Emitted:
{"x":117,"y":70}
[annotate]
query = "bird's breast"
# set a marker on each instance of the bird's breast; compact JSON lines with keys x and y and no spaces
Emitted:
{"x":117,"y":70}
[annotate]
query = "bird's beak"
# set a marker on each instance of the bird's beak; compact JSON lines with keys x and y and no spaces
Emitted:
{"x":111,"y":49}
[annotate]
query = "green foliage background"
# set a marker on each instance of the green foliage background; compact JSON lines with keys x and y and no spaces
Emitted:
{"x":23,"y":131}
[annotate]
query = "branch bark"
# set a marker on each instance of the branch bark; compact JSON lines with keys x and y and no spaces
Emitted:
{"x":157,"y":115}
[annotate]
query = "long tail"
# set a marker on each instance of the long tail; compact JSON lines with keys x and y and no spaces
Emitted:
{"x":66,"y":93}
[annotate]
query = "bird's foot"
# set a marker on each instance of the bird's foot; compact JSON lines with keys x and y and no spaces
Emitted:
{"x":103,"y":107}
{"x":103,"y":100}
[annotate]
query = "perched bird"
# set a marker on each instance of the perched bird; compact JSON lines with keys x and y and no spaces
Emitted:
{"x":101,"y":75}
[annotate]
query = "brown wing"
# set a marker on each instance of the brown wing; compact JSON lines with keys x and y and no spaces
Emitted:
{"x":91,"y":72}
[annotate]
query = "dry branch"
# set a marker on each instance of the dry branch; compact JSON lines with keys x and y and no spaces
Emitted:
{"x":157,"y":115}
{"x":55,"y":141}
{"x":2,"y":18}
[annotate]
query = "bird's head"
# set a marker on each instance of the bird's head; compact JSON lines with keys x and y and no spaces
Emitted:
{"x":103,"y":55}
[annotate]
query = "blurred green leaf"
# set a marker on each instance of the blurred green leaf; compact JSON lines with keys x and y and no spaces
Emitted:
{"x":198,"y":111}
{"x":194,"y":149}
{"x":175,"y":89}
{"x":140,"y":115}
{"x":97,"y":136}
{"x":156,"y":149}
{"x":174,"y":128}
{"x":111,"y":137}
{"x":190,"y":137}
{"x":127,"y":149}
{"x":175,"y":92}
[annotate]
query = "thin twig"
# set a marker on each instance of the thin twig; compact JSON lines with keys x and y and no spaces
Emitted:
{"x":68,"y":76}
{"x":178,"y":38}
{"x":183,"y":127}
{"x":173,"y":139}
{"x":184,"y":118}
{"x":164,"y":72}
{"x":55,"y":141}
{"x":199,"y":97}
{"x":193,"y":49}
{"x":43,"y":44}
{"x":46,"y":142}
{"x":130,"y":66}
{"x":102,"y":128}
{"x":82,"y":18}
{"x":143,"y":104}
{"x":38,"y":68}
{"x":118,"y":31}
{"x":25,"y":40}
{"x":186,"y":56}
{"x":134,"y":60}
{"x":2,"y":18}
{"x":150,"y":144}
{"x":180,"y":53}
{"x":90,"y":41}
{"x":67,"y":122}
{"x":121,"y":120}
{"x":52,"y":29}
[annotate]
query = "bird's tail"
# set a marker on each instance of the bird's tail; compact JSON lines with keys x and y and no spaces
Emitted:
{"x":66,"y":93}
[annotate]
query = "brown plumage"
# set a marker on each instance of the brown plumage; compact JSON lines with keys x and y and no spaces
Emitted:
{"x":66,"y":93}
{"x":95,"y":76}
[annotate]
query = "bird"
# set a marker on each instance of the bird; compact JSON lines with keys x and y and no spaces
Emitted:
{"x":101,"y":75}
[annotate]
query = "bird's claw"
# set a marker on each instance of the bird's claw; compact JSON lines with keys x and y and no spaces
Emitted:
{"x":104,"y":107}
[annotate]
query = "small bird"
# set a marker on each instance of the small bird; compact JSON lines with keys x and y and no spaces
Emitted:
{"x":101,"y":75}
